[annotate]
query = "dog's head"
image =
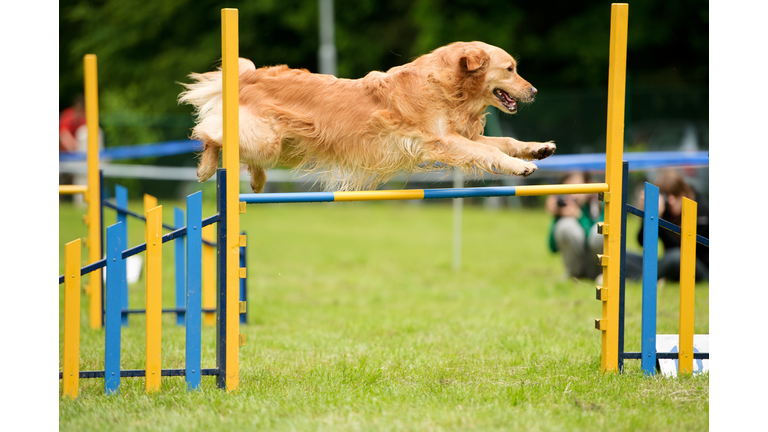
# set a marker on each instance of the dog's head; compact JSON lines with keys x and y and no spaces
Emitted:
{"x":493,"y":73}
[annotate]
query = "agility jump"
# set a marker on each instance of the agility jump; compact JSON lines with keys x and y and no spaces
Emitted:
{"x":229,"y":242}
{"x":230,"y":204}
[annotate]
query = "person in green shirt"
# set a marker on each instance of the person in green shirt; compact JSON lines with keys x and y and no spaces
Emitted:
{"x":573,"y":232}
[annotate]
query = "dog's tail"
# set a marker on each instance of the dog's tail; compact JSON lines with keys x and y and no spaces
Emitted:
{"x":205,"y":92}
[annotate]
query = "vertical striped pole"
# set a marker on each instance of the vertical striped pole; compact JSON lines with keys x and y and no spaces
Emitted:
{"x":71,"y":378}
{"x":610,"y":259}
{"x":209,"y":276}
{"x":92,"y":195}
{"x":154,"y":286}
{"x":121,"y":199}
{"x":243,"y":278}
{"x":113,"y":322}
{"x":687,"y":285}
{"x":650,"y":275}
{"x":193,"y":285}
{"x":179,"y":273}
{"x":231,"y":163}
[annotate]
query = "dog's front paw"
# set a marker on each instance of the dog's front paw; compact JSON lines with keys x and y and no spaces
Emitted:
{"x":522,"y":168}
{"x":545,"y":150}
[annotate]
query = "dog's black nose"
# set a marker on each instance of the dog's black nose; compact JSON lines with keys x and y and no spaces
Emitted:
{"x":533,"y":91}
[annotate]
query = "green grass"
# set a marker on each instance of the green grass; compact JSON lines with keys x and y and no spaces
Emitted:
{"x":358,"y":323}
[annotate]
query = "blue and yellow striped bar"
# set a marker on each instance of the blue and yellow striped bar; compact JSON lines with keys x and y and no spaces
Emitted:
{"x":416,"y":194}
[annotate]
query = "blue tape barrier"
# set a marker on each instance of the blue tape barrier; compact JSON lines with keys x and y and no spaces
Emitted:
{"x":588,"y":161}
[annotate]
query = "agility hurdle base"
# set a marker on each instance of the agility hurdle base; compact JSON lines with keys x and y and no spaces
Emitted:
{"x":649,"y":356}
{"x":120,"y":206}
{"x":229,"y":242}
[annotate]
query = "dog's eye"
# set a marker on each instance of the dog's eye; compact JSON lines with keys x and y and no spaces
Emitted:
{"x":511,"y":69}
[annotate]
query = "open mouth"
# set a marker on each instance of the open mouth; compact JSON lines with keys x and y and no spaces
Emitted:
{"x":506,"y":99}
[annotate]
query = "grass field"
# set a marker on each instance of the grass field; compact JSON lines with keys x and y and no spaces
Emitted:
{"x":358,"y":323}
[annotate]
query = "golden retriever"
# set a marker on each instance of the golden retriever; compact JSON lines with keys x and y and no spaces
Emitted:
{"x":427,"y":113}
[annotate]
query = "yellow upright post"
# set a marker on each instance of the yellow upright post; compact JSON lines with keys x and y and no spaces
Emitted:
{"x":150,"y":202}
{"x":687,"y":285}
{"x":154,"y":295}
{"x":93,"y":219}
{"x":71,"y":378}
{"x":609,"y":323}
{"x":231,"y":163}
{"x":209,"y":277}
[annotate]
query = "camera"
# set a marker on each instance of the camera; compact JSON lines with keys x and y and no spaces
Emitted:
{"x":560,"y":201}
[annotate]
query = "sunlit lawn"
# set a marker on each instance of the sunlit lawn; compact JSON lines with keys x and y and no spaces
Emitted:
{"x":357,"y":322}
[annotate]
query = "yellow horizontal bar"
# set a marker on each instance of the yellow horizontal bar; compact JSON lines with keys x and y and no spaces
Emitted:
{"x":72,"y":189}
{"x":379,"y":195}
{"x":587,"y":188}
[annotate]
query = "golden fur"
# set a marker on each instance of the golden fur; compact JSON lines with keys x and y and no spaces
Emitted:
{"x":362,"y":132}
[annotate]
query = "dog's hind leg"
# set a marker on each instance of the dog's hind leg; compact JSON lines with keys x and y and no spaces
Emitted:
{"x":260,"y":146}
{"x":209,"y":160}
{"x":258,"y":177}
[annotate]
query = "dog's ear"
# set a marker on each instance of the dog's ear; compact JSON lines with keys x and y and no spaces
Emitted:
{"x":473,"y":59}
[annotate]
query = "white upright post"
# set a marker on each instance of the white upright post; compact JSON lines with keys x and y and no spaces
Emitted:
{"x":458,"y":204}
{"x":327,"y":52}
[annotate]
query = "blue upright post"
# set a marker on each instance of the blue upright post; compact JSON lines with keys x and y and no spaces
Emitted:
{"x":221,"y":262}
{"x":121,"y":200}
{"x":623,"y":260}
{"x":102,"y":198}
{"x":243,"y":284}
{"x":179,"y":274}
{"x":194,"y":287}
{"x":112,"y":324}
{"x":650,"y":264}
